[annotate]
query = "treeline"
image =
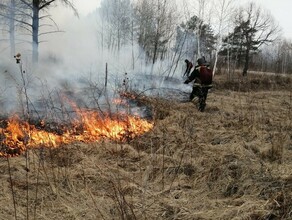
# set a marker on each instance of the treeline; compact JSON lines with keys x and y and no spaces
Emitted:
{"x":232,"y":37}
{"x":20,"y":18}
{"x":245,"y":37}
{"x":277,"y":58}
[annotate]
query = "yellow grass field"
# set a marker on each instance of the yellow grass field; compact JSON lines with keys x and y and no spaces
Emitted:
{"x":233,"y":161}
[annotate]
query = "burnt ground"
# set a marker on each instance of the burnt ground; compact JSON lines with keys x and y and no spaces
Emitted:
{"x":232,"y":161}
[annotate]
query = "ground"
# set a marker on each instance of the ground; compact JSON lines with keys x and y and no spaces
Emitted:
{"x":232,"y":161}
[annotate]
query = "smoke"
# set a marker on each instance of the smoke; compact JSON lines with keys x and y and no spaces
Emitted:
{"x":72,"y":64}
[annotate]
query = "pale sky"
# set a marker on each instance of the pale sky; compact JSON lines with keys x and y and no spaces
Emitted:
{"x":280,"y":9}
{"x":86,"y":6}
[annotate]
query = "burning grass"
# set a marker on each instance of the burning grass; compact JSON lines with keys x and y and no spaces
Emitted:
{"x":232,"y":161}
{"x":18,"y":136}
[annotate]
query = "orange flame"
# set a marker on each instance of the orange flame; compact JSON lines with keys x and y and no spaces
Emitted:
{"x":19,"y":136}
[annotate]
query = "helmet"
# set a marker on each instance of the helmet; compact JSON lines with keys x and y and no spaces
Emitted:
{"x":201,"y":61}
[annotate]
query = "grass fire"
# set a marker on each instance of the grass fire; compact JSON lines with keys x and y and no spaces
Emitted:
{"x":232,"y":161}
{"x":89,"y":126}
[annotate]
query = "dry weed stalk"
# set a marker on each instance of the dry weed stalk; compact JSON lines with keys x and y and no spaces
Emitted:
{"x":12,"y":188}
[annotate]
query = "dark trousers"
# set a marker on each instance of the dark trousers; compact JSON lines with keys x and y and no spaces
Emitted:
{"x":201,"y":93}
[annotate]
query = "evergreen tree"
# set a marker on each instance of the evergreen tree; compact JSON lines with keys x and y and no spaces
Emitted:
{"x":196,"y":31}
{"x":253,"y":28}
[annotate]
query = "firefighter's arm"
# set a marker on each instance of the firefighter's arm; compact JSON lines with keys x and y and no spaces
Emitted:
{"x":193,"y":75}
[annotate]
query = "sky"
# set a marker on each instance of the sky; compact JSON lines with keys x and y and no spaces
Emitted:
{"x":280,"y":9}
{"x":86,"y":6}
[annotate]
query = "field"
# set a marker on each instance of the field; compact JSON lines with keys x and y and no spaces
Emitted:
{"x":233,"y":161}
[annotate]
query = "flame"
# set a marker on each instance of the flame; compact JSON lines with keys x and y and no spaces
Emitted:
{"x":89,"y":127}
{"x":119,"y":101}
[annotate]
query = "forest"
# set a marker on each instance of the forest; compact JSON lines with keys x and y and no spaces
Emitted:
{"x":229,"y":35}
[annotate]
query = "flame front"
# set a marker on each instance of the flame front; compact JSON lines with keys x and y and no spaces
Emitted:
{"x":19,"y":136}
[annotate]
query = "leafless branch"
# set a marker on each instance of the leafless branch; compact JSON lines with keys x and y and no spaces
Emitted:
{"x":51,"y":32}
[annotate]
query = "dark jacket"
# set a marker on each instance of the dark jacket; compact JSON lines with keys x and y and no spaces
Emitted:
{"x":200,"y":79}
{"x":189,"y":67}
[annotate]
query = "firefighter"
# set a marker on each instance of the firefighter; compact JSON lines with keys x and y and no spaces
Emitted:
{"x":188,"y":69}
{"x":202,"y":77}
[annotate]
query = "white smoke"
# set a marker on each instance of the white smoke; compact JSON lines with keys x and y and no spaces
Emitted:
{"x":71,"y":62}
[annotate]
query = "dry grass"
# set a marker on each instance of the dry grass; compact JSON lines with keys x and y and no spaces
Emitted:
{"x":232,"y":161}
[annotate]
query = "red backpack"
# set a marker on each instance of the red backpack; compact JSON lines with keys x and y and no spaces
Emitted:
{"x":206,"y":75}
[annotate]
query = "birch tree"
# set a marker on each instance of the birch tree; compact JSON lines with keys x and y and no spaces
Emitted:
{"x":201,"y":15}
{"x":223,"y":11}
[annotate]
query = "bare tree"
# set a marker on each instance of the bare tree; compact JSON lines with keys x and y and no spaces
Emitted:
{"x":12,"y":14}
{"x":12,"y":27}
{"x":156,"y":21}
{"x":201,"y":15}
{"x":254,"y":27}
{"x":116,"y":23}
{"x":144,"y":14}
{"x":276,"y":57}
{"x":223,"y":10}
{"x":34,"y":10}
{"x":283,"y":57}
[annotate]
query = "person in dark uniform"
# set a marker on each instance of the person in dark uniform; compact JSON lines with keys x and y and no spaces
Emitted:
{"x":188,"y":69}
{"x":202,"y":76}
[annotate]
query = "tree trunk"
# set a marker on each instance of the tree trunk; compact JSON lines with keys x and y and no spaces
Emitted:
{"x":215,"y":62}
{"x":35,"y":34}
{"x":12,"y":27}
{"x":155,"y":52}
{"x":246,"y":63}
{"x":179,"y":54}
{"x":156,"y":42}
{"x":132,"y":39}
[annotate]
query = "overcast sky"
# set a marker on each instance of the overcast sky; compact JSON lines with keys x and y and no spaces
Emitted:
{"x":280,"y":9}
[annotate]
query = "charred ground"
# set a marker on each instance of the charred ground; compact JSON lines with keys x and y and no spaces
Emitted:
{"x":232,"y":161}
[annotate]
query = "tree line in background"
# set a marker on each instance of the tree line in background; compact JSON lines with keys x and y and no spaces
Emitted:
{"x":231,"y":37}
{"x":27,"y":17}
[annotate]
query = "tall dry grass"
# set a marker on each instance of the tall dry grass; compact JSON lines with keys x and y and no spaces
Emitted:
{"x":232,"y":161}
